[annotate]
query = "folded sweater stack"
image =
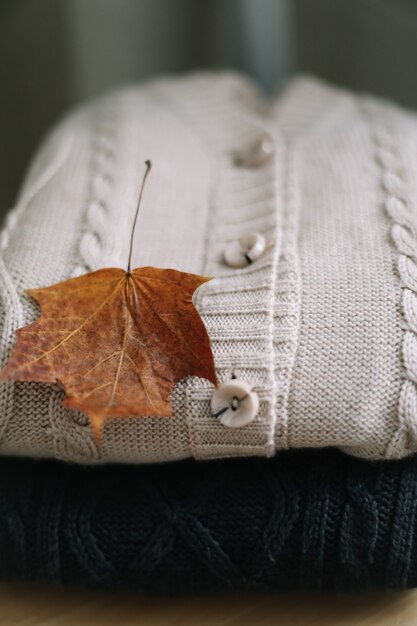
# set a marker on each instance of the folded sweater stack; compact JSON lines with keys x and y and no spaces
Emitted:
{"x":320,"y":323}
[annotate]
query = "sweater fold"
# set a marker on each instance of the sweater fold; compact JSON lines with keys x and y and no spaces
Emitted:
{"x":304,"y":520}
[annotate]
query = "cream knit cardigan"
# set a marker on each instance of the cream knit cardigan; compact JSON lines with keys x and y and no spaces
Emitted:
{"x":323,"y":325}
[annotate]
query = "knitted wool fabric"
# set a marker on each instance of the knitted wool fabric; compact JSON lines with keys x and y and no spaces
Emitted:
{"x":322,"y":325}
{"x":304,"y":520}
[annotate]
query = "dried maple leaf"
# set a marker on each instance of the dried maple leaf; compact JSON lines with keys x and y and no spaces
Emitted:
{"x":116,"y":340}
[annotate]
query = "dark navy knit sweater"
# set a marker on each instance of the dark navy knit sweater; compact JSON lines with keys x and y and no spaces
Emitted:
{"x":303,"y":520}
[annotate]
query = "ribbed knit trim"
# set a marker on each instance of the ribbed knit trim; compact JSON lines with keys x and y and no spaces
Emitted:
{"x":242,"y":343}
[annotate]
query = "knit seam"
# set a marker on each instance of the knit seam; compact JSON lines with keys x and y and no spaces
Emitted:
{"x":289,"y":265}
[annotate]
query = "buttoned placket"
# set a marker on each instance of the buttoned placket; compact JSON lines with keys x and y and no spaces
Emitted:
{"x":238,"y":305}
{"x":235,"y":404}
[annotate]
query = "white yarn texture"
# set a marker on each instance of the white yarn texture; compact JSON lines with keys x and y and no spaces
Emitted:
{"x":323,"y":325}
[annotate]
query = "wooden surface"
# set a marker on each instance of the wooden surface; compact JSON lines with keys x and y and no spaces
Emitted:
{"x":34,"y":605}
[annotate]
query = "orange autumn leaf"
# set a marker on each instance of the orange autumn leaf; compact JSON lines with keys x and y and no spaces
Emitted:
{"x":116,"y":341}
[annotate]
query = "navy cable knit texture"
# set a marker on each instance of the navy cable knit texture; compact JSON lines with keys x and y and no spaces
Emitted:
{"x":303,"y":520}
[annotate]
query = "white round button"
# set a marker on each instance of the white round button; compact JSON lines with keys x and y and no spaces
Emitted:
{"x":234,"y":403}
{"x":245,"y":250}
{"x":256,"y":154}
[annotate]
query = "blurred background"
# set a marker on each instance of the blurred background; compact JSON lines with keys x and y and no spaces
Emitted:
{"x":56,"y":53}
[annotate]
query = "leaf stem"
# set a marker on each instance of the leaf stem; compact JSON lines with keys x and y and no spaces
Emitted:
{"x":148,"y":169}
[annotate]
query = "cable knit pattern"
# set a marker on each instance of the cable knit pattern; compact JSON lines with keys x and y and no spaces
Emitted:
{"x":359,"y":529}
{"x":95,"y":231}
{"x":322,"y":325}
{"x":303,"y":520}
{"x":398,"y":207}
{"x":70,"y":430}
